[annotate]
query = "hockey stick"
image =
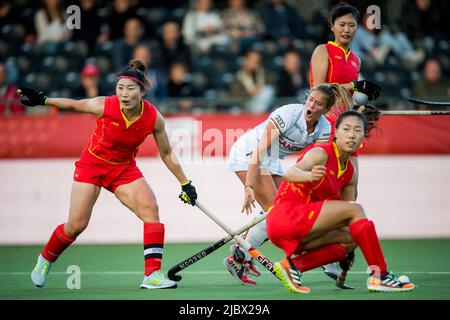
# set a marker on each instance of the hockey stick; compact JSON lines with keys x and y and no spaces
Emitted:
{"x":244,"y":244}
{"x":172,"y":273}
{"x":416,"y":113}
{"x":430,"y":103}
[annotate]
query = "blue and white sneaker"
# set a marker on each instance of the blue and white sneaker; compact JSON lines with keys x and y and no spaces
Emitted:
{"x":157,"y":280}
{"x":40,"y":272}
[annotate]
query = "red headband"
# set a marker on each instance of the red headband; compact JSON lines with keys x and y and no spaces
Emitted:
{"x":134,"y":79}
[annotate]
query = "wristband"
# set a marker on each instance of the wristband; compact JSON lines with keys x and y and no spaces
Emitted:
{"x":186,"y":183}
{"x":248,"y":185}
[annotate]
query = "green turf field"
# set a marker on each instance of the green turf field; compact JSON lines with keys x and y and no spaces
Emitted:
{"x":115,"y":272}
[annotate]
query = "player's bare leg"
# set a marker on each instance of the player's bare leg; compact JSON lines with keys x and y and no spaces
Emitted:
{"x":336,"y":214}
{"x":139,"y":198}
{"x":82,"y":199}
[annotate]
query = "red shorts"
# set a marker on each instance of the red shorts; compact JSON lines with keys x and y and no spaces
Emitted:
{"x":288,"y":223}
{"x":89,"y":169}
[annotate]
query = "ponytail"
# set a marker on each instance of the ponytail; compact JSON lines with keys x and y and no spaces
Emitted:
{"x":335,"y":95}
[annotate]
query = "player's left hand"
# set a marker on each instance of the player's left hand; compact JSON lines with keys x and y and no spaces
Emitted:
{"x":31,"y":98}
{"x":188,"y":194}
{"x":372,"y":90}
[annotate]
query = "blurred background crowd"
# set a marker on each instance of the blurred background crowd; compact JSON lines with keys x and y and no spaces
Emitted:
{"x":215,"y":55}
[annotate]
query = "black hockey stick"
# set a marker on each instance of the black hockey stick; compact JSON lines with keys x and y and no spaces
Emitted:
{"x":172,"y":273}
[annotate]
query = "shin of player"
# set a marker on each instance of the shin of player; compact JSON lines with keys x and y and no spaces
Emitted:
{"x":315,"y":200}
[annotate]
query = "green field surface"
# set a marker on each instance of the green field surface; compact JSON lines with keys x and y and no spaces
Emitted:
{"x":114,"y":272}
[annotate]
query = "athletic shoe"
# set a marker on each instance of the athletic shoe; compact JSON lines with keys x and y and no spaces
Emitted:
{"x":239,"y":257}
{"x":388,"y":283}
{"x":237,"y":252}
{"x":39,"y":275}
{"x":252,"y":269}
{"x":157,"y":280}
{"x":331,"y":270}
{"x":290,"y":276}
{"x":238,"y":271}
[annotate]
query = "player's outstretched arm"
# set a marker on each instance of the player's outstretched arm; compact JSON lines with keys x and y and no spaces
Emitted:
{"x":311,"y":168}
{"x":189,"y":194}
{"x":33,"y":98}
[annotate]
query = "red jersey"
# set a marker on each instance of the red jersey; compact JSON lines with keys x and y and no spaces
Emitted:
{"x":116,"y":139}
{"x":326,"y":189}
{"x":342,"y":66}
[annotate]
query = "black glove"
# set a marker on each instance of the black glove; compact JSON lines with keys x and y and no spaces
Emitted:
{"x":372,"y":90}
{"x":188,"y":194}
{"x":31,"y":98}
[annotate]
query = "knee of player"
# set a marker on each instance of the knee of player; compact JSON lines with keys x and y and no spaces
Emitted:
{"x":357,"y":211}
{"x":148,"y":210}
{"x":75,"y":227}
{"x":349,"y":246}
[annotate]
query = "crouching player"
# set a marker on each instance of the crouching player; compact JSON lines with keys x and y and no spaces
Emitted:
{"x":315,"y":200}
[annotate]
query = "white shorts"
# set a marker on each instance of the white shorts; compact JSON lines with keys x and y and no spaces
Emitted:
{"x":241,"y":152}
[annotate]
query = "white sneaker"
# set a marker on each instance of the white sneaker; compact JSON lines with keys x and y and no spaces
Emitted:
{"x":157,"y":280}
{"x":331,"y":270}
{"x":39,"y":275}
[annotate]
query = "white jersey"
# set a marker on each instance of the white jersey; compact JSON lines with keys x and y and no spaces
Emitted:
{"x":293,"y":137}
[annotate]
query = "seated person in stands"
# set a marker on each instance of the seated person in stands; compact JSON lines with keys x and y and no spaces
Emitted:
{"x":9,"y":99}
{"x":90,"y":86}
{"x":252,"y":85}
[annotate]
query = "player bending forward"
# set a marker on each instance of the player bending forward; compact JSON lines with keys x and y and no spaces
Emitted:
{"x":313,"y":201}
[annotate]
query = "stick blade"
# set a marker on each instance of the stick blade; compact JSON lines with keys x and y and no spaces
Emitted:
{"x":174,"y":277}
{"x":430,"y":103}
{"x":344,"y":286}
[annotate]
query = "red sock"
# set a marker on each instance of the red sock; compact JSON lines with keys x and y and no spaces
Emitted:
{"x":58,"y":242}
{"x":364,"y":234}
{"x":153,"y":246}
{"x":319,"y":257}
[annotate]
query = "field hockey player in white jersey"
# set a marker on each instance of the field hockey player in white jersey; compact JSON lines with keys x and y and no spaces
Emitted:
{"x":255,"y":158}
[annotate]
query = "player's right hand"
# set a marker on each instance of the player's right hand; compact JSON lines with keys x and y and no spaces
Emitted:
{"x":317,"y":173}
{"x":249,"y":200}
{"x":31,"y":98}
{"x":372,"y":90}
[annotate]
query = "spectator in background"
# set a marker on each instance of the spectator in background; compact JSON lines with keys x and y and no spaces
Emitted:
{"x":251,"y":84}
{"x":425,"y":21}
{"x":172,"y":46}
{"x":370,"y":43}
{"x":91,"y":24}
{"x":50,"y":25}
{"x":9,"y":99}
{"x":282,"y":23}
{"x":156,"y":76}
{"x":180,"y":86}
{"x":133,"y":33}
{"x":291,"y":79}
{"x":6,"y":15}
{"x":90,"y":83}
{"x":243,"y":26}
{"x":432,"y":85}
{"x":122,"y":11}
{"x":203,"y":28}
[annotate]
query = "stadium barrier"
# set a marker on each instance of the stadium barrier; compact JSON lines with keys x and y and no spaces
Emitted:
{"x":406,"y":196}
{"x":404,"y":174}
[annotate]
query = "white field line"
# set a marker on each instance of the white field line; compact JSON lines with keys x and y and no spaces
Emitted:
{"x":206,"y":272}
